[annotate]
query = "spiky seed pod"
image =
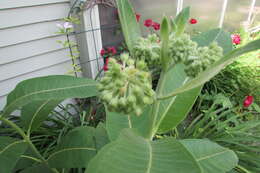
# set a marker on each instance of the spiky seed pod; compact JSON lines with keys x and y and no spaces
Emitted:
{"x":148,"y":49}
{"x":126,"y":87}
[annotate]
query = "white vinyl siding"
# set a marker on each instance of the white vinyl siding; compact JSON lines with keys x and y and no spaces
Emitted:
{"x":28,"y":42}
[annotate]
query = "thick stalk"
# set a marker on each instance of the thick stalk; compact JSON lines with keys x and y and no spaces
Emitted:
{"x":155,"y":108}
{"x":27,"y":139}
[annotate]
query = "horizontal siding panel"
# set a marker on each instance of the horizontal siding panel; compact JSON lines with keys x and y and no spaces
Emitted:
{"x":27,"y":33}
{"x":22,"y":51}
{"x":9,"y":85}
{"x":23,"y":16}
{"x":5,"y":4}
{"x":28,"y":65}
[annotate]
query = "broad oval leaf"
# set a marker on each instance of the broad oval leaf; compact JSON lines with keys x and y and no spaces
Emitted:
{"x":131,"y":153}
{"x":210,"y":156}
{"x":34,"y":113}
{"x":56,"y":87}
{"x":129,"y":24}
{"x":10,"y":151}
{"x":175,"y":109}
{"x":78,"y":147}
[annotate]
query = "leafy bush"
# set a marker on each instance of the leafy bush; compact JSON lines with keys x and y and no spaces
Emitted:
{"x":219,"y":120}
{"x":130,"y":134}
{"x":241,"y":78}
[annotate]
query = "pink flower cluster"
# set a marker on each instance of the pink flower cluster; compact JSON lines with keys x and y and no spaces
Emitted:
{"x":248,"y":101}
{"x":236,"y":39}
{"x":106,"y":53}
{"x":150,"y":23}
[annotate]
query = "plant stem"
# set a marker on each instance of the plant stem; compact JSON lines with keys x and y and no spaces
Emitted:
{"x":27,"y":139}
{"x":155,"y":107}
{"x":242,"y":169}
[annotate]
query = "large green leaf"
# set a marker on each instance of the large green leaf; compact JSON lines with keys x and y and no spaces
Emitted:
{"x":177,"y":112}
{"x":10,"y":151}
{"x":131,"y":153}
{"x":210,"y":156}
{"x":116,"y":122}
{"x":129,"y":23}
{"x":215,"y":68}
{"x":175,"y":109}
{"x":57,"y":87}
{"x":78,"y":148}
{"x":34,"y":113}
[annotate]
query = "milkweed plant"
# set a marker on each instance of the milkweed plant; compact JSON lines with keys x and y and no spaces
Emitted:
{"x":136,"y":110}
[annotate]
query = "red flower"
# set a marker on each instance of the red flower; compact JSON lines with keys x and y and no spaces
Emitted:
{"x":112,"y":50}
{"x":138,"y":16}
{"x":236,"y":39}
{"x":105,"y":68}
{"x":193,"y":21}
{"x":102,"y":52}
{"x":248,"y":101}
{"x":148,"y":22}
{"x":156,"y":26}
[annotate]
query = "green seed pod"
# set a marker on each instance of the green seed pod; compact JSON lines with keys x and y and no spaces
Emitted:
{"x":122,"y":102}
{"x":131,"y":100}
{"x":130,"y":62}
{"x":124,"y":57}
{"x":147,"y":100}
{"x":107,"y":97}
{"x":138,"y":111}
{"x":113,"y":103}
{"x":137,"y":90}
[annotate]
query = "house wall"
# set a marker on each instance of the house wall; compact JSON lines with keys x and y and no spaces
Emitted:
{"x":28,"y":42}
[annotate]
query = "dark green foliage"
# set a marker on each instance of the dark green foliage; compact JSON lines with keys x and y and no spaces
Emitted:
{"x":240,"y":78}
{"x":214,"y":117}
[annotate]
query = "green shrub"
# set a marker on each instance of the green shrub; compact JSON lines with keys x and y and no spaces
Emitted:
{"x":242,"y":77}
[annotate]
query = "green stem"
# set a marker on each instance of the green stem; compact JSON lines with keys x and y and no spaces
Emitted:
{"x":242,"y":169}
{"x":27,"y":139}
{"x":153,"y":128}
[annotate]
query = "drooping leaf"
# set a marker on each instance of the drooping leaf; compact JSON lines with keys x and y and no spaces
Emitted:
{"x":210,"y":156}
{"x":56,"y":87}
{"x":10,"y":151}
{"x":78,"y":147}
{"x":131,"y":153}
{"x":179,"y":23}
{"x":175,"y":109}
{"x":215,"y":68}
{"x":129,"y":23}
{"x":34,"y":113}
